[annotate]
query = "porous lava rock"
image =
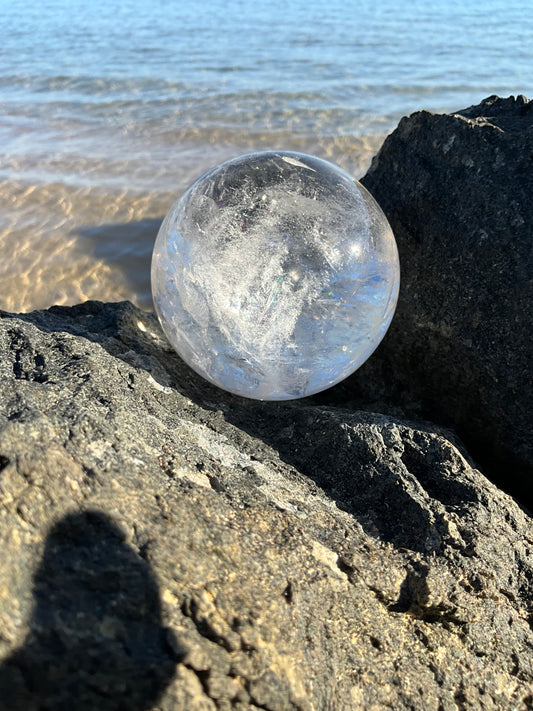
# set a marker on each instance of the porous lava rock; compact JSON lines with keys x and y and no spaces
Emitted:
{"x":457,"y":190}
{"x":168,"y":546}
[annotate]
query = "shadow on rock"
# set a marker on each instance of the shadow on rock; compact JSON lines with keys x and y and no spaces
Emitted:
{"x":299,"y":430}
{"x":96,"y":639}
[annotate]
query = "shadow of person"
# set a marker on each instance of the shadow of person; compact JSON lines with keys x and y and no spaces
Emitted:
{"x":96,"y":640}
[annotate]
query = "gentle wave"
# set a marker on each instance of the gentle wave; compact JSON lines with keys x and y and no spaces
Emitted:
{"x":108,"y":111}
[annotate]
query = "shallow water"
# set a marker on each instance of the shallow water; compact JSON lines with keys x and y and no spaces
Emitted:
{"x":108,"y":110}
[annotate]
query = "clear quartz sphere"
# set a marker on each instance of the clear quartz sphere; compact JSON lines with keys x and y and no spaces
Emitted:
{"x":275,"y":275}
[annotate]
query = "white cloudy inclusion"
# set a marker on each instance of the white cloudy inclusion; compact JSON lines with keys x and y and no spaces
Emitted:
{"x":275,"y":275}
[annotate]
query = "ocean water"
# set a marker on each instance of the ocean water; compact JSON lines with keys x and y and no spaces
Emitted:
{"x":110,"y":108}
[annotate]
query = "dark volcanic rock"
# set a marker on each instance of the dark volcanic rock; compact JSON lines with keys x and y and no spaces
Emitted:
{"x":168,"y":546}
{"x":458,"y":192}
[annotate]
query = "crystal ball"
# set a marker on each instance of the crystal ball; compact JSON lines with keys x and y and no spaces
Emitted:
{"x":275,"y":275}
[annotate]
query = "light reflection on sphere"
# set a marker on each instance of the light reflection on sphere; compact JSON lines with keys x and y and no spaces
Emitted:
{"x":275,"y":275}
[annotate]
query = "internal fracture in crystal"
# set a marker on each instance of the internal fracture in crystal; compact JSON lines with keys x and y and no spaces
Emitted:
{"x":275,"y":275}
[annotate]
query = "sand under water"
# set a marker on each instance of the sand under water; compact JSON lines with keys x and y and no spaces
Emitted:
{"x":108,"y":111}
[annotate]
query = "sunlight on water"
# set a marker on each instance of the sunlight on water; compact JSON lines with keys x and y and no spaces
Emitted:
{"x":108,"y":111}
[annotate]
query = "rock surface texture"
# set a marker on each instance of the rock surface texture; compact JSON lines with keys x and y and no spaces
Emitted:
{"x":457,"y":190}
{"x":168,"y":546}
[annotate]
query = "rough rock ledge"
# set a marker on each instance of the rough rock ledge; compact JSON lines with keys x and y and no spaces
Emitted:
{"x":168,"y":546}
{"x":457,"y":189}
